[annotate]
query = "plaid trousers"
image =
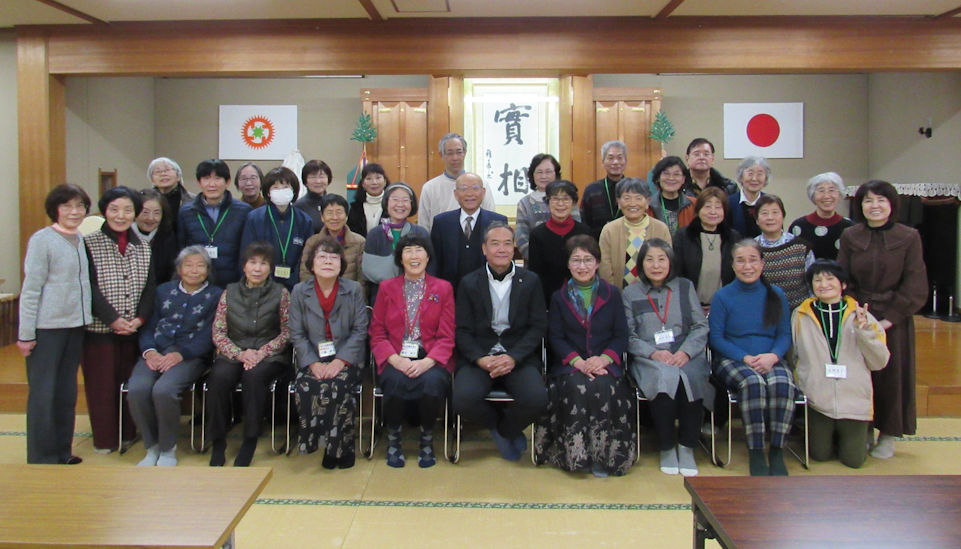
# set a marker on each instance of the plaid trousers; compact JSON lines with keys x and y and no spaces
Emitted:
{"x":772,"y":392}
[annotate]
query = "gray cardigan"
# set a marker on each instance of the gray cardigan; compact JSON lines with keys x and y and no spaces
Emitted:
{"x":56,"y":284}
{"x":348,"y":323}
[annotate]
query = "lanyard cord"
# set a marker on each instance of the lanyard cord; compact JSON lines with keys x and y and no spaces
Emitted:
{"x":283,"y":246}
{"x":607,"y":190}
{"x":667,"y":308}
{"x":211,"y":235}
{"x":828,"y":332}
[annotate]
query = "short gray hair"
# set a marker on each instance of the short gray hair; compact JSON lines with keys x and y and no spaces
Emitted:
{"x":826,"y":177}
{"x":448,"y":137}
{"x":750,"y":162}
{"x":196,"y":249}
{"x":163,"y":160}
{"x":632,"y":185}
{"x":497,"y":225}
{"x":616,"y":143}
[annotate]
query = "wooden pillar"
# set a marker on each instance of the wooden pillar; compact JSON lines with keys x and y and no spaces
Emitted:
{"x":582,"y":154}
{"x":445,"y":114}
{"x":41,"y":132}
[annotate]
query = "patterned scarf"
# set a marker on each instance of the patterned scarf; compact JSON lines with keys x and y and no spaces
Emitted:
{"x":574,"y":294}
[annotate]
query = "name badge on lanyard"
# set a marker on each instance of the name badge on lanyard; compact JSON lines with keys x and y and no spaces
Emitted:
{"x":410,"y":349}
{"x":281,"y":271}
{"x":664,"y":336}
{"x":211,"y":251}
{"x":836,"y":371}
{"x":326,"y":348}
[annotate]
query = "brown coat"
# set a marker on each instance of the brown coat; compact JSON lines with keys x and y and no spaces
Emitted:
{"x":353,"y":251}
{"x":888,"y":274}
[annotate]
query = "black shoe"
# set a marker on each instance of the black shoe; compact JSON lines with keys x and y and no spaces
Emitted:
{"x":329,"y":462}
{"x":73,"y":460}
{"x":346,"y":461}
{"x":246,"y":453}
{"x":217,"y":450}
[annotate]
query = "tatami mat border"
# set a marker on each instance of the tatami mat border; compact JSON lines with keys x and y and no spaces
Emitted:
{"x":479,"y":505}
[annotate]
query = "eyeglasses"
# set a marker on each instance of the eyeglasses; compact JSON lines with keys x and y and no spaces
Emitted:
{"x":544,"y":172}
{"x":399,"y":200}
{"x":327,"y":258}
{"x":454,"y":152}
{"x":249,"y":179}
{"x":474,"y":188}
{"x":585,"y":261}
{"x":561,"y":199}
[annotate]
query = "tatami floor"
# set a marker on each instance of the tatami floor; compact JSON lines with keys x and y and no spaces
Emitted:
{"x":485,"y":501}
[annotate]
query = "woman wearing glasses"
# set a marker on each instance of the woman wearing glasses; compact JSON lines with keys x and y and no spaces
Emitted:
{"x":548,"y":252}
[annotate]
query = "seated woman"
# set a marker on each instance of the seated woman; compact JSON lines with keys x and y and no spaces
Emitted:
{"x":412,"y":340}
{"x":837,"y":343}
{"x":547,"y":248}
{"x":785,"y":257}
{"x":328,"y":326}
{"x":622,"y":238}
{"x":667,"y":333}
{"x":590,"y":413}
{"x":750,"y":326}
{"x":252,"y":341}
{"x":175,"y":348}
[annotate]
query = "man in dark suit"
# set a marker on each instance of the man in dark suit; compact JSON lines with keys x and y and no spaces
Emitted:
{"x":457,"y":235}
{"x":501,"y":322}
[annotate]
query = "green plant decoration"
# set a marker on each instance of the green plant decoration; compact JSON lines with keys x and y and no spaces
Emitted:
{"x":662,"y":130}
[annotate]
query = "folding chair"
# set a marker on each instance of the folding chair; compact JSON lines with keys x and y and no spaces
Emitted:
{"x":272,"y":387}
{"x":495,"y":395}
{"x":193,"y":403}
{"x":800,"y":400}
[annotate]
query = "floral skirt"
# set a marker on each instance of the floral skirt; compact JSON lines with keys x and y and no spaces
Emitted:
{"x":328,"y":410}
{"x":588,"y":422}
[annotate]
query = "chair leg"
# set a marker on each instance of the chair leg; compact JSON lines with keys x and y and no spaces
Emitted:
{"x":637,"y":431}
{"x":290,"y":391}
{"x":120,"y":450}
{"x":360,"y":418}
{"x":273,"y":418}
{"x":203,"y":419}
{"x":533,"y":454}
{"x":369,"y":454}
{"x":457,"y":432}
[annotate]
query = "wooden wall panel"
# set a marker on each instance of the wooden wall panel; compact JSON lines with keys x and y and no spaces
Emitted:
{"x":438,"y":121}
{"x":539,"y":46}
{"x":41,"y":133}
{"x":582,"y":132}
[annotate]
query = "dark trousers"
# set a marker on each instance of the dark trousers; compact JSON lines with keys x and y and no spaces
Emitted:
{"x":52,"y":398}
{"x":108,"y":360}
{"x":664,"y":410}
{"x":221,"y":383}
{"x":417,"y":399}
{"x":524,"y":384}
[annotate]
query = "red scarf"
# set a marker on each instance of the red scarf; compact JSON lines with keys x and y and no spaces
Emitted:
{"x":560,"y":228}
{"x":327,"y":305}
{"x":122,"y":242}
{"x":819,"y":221}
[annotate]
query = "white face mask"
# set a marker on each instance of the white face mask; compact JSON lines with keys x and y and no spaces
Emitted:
{"x":282,"y":197}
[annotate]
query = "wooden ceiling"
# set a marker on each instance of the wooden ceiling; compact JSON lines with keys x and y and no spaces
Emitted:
{"x":86,"y":12}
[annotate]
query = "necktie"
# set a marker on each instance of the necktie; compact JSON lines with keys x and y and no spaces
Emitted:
{"x":467,"y":226}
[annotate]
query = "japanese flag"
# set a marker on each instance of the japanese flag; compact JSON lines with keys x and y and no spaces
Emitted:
{"x":257,"y":132}
{"x":771,"y":130}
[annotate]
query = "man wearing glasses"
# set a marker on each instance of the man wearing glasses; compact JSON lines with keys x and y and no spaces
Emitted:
{"x":700,"y":160}
{"x":437,"y":195}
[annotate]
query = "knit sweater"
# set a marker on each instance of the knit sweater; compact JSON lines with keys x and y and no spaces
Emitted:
{"x":784,"y":266}
{"x":56,"y":289}
{"x":122,"y":285}
{"x":737,"y":322}
{"x":824,"y":235}
{"x":532,"y":211}
{"x":181,"y":322}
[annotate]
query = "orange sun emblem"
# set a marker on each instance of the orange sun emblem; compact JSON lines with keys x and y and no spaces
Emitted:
{"x":258,"y":132}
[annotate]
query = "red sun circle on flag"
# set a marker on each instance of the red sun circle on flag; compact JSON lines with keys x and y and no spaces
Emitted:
{"x":763,"y":130}
{"x":257,"y":132}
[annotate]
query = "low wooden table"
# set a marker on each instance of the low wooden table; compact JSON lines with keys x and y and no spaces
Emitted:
{"x":836,"y":512}
{"x":87,"y":506}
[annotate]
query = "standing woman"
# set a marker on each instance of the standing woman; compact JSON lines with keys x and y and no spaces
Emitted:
{"x":316,"y":176}
{"x":328,"y":326}
{"x":176,"y":345}
{"x":750,"y":327}
{"x":252,"y":339}
{"x":334,"y":215}
{"x":887,"y":267}
{"x":622,"y":238}
{"x":671,"y":204}
{"x":398,"y":203}
{"x":248,"y":181}
{"x":412,"y":340}
{"x":590,"y":413}
{"x":548,"y":241}
{"x":703,"y":249}
{"x":54,"y":308}
{"x":367,"y":209}
{"x":532,"y":210}
{"x":667,"y":333}
{"x":123,"y":287}
{"x":155,"y":227}
{"x":786,"y":258}
{"x":167,"y":178}
{"x":282,"y":226}
{"x":753,"y":174}
{"x":823,"y":227}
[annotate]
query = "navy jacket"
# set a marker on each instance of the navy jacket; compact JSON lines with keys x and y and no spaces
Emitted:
{"x":258,"y":228}
{"x":454,"y":255}
{"x":233,"y":214}
{"x":604,"y":332}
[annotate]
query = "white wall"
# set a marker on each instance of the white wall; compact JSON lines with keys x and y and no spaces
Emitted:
{"x":9,"y":159}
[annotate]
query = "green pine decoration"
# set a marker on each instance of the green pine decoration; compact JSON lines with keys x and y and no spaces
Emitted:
{"x":662,"y":130}
{"x":365,"y":132}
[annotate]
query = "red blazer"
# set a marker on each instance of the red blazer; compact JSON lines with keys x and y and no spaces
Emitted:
{"x":436,"y":321}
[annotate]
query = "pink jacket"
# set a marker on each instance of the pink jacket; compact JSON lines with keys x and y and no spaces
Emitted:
{"x":436,"y":321}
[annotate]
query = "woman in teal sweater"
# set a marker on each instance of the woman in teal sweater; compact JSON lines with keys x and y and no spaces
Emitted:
{"x":749,"y":355}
